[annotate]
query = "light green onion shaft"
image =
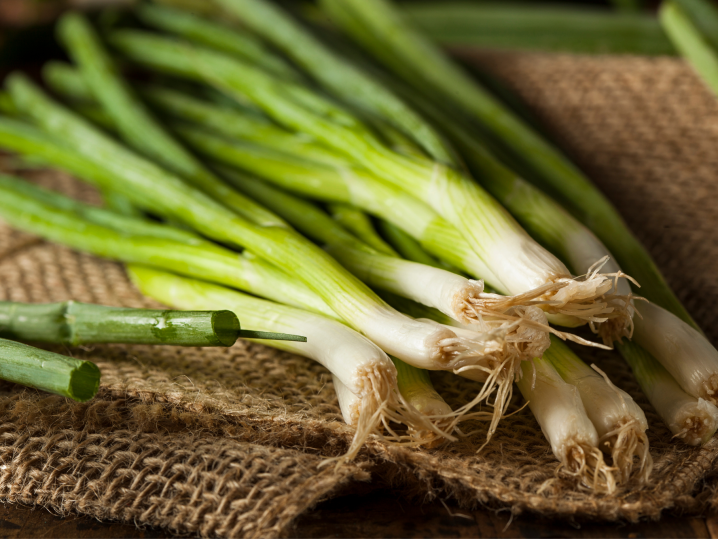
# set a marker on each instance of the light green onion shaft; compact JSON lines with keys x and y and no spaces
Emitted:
{"x":73,"y":378}
{"x":691,"y":42}
{"x":704,"y":15}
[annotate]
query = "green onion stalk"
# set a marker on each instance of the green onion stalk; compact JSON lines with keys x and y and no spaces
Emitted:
{"x":361,"y":366}
{"x":538,"y":27}
{"x":690,"y":419}
{"x":216,"y":35}
{"x":684,"y":22}
{"x":73,"y":324}
{"x":521,"y":263}
{"x":391,"y":39}
{"x":145,"y":183}
{"x":620,"y":423}
{"x":73,"y":378}
{"x":45,"y":213}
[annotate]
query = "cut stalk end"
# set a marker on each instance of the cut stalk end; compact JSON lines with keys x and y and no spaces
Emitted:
{"x":225,"y":325}
{"x":696,"y":423}
{"x":84,"y":382}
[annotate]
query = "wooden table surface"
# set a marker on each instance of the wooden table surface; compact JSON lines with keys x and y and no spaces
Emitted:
{"x":372,"y":515}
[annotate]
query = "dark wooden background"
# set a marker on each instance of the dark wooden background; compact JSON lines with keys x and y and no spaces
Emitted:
{"x":372,"y":515}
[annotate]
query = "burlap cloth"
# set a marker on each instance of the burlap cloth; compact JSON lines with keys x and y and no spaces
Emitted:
{"x":230,"y":442}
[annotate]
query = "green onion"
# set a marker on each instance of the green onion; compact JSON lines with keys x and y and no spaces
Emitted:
{"x":620,"y":423}
{"x":392,"y":40}
{"x":73,"y":378}
{"x":690,"y":419}
{"x":361,"y":366}
{"x":704,"y":15}
{"x":562,"y":416}
{"x":696,"y":47}
{"x":136,"y":124}
{"x":538,"y":27}
{"x":74,"y":323}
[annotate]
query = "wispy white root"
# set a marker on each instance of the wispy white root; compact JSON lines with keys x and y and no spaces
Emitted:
{"x":522,"y":317}
{"x":587,"y":465}
{"x":591,"y":298}
{"x":628,"y":446}
{"x":380,"y":408}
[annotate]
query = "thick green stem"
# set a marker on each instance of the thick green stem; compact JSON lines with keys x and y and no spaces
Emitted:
{"x":74,"y":323}
{"x":73,"y":378}
{"x":542,"y":27}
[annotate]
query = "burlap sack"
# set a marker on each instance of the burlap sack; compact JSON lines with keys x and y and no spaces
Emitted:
{"x":230,"y":442}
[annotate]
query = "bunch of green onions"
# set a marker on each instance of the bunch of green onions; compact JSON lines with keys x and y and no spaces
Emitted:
{"x":282,"y":148}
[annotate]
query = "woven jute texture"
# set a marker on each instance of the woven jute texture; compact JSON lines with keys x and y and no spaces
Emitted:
{"x":231,"y":442}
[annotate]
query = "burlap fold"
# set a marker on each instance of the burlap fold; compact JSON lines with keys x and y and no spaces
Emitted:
{"x":231,"y":442}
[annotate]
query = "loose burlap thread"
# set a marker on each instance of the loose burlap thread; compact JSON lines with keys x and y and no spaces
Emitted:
{"x":230,"y":442}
